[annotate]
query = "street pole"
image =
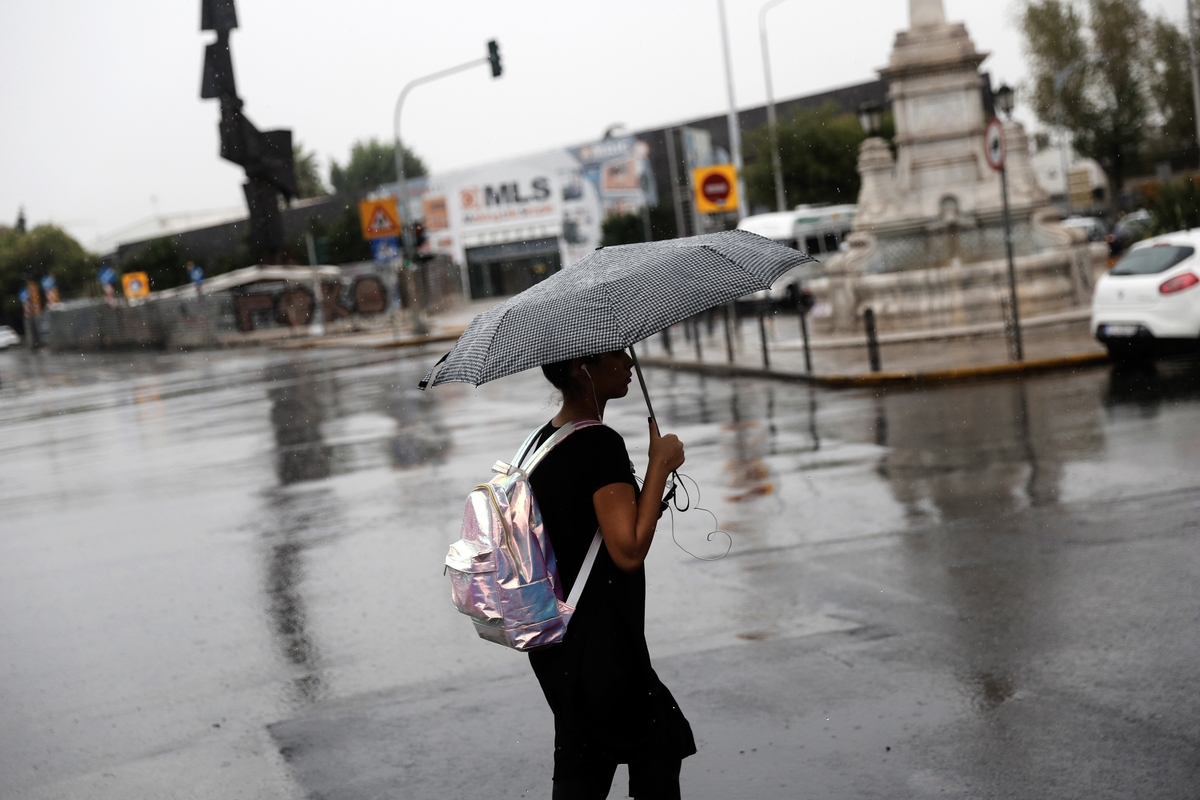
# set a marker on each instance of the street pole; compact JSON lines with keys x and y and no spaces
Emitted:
{"x":735,"y":129}
{"x":1012,"y":271}
{"x":317,"y":326}
{"x":772,"y":125}
{"x":419,"y":326}
{"x":1191,"y":12}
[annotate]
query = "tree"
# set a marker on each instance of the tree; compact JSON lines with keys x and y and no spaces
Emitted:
{"x":1118,"y":66}
{"x":371,"y":164}
{"x":631,"y":228}
{"x":1176,"y":206}
{"x":33,"y":254}
{"x":162,"y":260}
{"x":818,"y":151}
{"x":1171,"y":91}
{"x":308,"y":172}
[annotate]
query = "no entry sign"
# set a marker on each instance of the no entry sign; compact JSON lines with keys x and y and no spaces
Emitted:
{"x":715,"y":188}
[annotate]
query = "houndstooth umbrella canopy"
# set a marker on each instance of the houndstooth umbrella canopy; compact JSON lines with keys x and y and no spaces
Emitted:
{"x":613,"y":298}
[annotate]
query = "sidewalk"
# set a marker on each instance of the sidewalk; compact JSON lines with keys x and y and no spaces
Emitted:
{"x":1053,"y":342}
{"x":1060,"y":341}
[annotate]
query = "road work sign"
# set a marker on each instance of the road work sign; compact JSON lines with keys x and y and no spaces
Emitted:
{"x":716,"y":188}
{"x":135,"y":284}
{"x":379,"y":218}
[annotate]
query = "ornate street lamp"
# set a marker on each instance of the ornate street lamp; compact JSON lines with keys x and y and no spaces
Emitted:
{"x":870,"y":116}
{"x":1005,"y":100}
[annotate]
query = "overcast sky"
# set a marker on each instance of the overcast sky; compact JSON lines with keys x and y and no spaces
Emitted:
{"x":102,"y":124}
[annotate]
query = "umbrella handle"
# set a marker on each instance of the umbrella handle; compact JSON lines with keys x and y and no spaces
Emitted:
{"x":642,"y":382}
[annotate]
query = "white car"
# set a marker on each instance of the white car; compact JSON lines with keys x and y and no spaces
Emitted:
{"x":1149,"y":304}
{"x":8,"y":337}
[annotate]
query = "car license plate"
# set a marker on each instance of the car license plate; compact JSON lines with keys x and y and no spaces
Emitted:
{"x":1120,"y":330}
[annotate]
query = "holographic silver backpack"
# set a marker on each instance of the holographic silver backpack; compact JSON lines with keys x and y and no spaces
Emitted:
{"x":503,"y":574}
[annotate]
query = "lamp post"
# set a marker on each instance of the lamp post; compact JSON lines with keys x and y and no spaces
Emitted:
{"x":492,"y":58}
{"x":870,"y":117}
{"x":735,"y":128}
{"x":1005,"y":99}
{"x":772,"y":130}
{"x":1191,"y":12}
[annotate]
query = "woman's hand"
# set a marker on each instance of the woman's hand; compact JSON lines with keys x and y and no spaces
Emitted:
{"x":666,"y":452}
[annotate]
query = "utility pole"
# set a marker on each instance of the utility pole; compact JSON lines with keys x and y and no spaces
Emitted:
{"x":492,"y":58}
{"x":772,"y":125}
{"x":735,"y":128}
{"x":1191,"y":12}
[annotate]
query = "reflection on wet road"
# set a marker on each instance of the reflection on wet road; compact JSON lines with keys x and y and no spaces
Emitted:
{"x":197,"y":546}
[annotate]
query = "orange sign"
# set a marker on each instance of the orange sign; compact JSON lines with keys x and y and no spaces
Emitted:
{"x":436,"y":217}
{"x":379,"y":218}
{"x":135,"y":284}
{"x":715,"y":188}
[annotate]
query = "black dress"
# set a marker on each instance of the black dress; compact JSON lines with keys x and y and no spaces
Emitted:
{"x":608,"y":704}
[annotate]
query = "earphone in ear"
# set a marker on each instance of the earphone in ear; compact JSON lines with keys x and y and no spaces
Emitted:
{"x":585,"y":369}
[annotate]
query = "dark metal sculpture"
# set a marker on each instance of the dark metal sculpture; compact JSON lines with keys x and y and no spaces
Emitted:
{"x":265,"y":155}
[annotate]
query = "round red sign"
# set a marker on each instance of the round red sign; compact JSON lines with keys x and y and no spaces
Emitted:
{"x":716,"y":189}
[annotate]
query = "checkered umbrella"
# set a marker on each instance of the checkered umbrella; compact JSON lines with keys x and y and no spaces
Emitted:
{"x":611,"y":299}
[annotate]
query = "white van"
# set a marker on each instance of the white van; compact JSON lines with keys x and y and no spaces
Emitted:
{"x":813,"y":229}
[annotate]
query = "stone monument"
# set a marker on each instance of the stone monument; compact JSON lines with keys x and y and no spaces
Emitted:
{"x":927,"y":248}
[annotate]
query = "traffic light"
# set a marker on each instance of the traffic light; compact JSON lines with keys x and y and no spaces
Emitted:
{"x":494,"y":58}
{"x":418,"y":236}
{"x":217,"y":15}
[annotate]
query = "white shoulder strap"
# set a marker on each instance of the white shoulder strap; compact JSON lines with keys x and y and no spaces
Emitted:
{"x":585,"y":570}
{"x":527,"y":461}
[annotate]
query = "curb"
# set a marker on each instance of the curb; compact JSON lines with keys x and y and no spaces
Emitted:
{"x":345,"y":342}
{"x":940,"y":376}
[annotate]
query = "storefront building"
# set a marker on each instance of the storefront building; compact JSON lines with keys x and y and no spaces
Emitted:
{"x":513,"y":223}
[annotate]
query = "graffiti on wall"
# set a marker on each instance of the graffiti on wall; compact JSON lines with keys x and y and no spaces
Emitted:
{"x":292,"y":305}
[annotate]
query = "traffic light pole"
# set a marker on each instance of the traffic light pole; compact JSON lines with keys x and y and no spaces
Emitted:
{"x":405,"y":224}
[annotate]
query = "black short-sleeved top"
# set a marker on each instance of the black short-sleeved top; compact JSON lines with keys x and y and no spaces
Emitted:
{"x":607,"y":701}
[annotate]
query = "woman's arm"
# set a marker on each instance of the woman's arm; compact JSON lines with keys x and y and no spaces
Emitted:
{"x":627,"y":522}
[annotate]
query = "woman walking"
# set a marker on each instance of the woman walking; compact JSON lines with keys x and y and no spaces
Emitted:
{"x":609,"y":706}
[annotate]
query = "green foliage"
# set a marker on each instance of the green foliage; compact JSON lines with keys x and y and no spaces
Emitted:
{"x":1123,"y":65}
{"x":1176,"y":207}
{"x":308,"y":172}
{"x":1170,"y":89}
{"x":371,"y":164}
{"x":33,"y":254}
{"x":345,"y":240}
{"x":631,"y":228}
{"x":162,"y":260}
{"x":818,"y":151}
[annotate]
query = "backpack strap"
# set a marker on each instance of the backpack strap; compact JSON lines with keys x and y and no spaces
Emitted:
{"x":527,"y":462}
{"x":585,"y":570}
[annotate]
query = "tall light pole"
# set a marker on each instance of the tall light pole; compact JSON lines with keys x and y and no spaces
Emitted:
{"x":772,"y":129}
{"x":735,"y":129}
{"x":492,"y":58}
{"x":1191,"y":12}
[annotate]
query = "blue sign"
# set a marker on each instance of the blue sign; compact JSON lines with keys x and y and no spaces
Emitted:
{"x":108,"y":275}
{"x":48,"y":283}
{"x":23,"y":295}
{"x":386,"y":249}
{"x":196,"y":274}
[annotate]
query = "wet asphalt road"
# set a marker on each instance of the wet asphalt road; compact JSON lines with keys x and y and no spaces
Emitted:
{"x":220,"y":577}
